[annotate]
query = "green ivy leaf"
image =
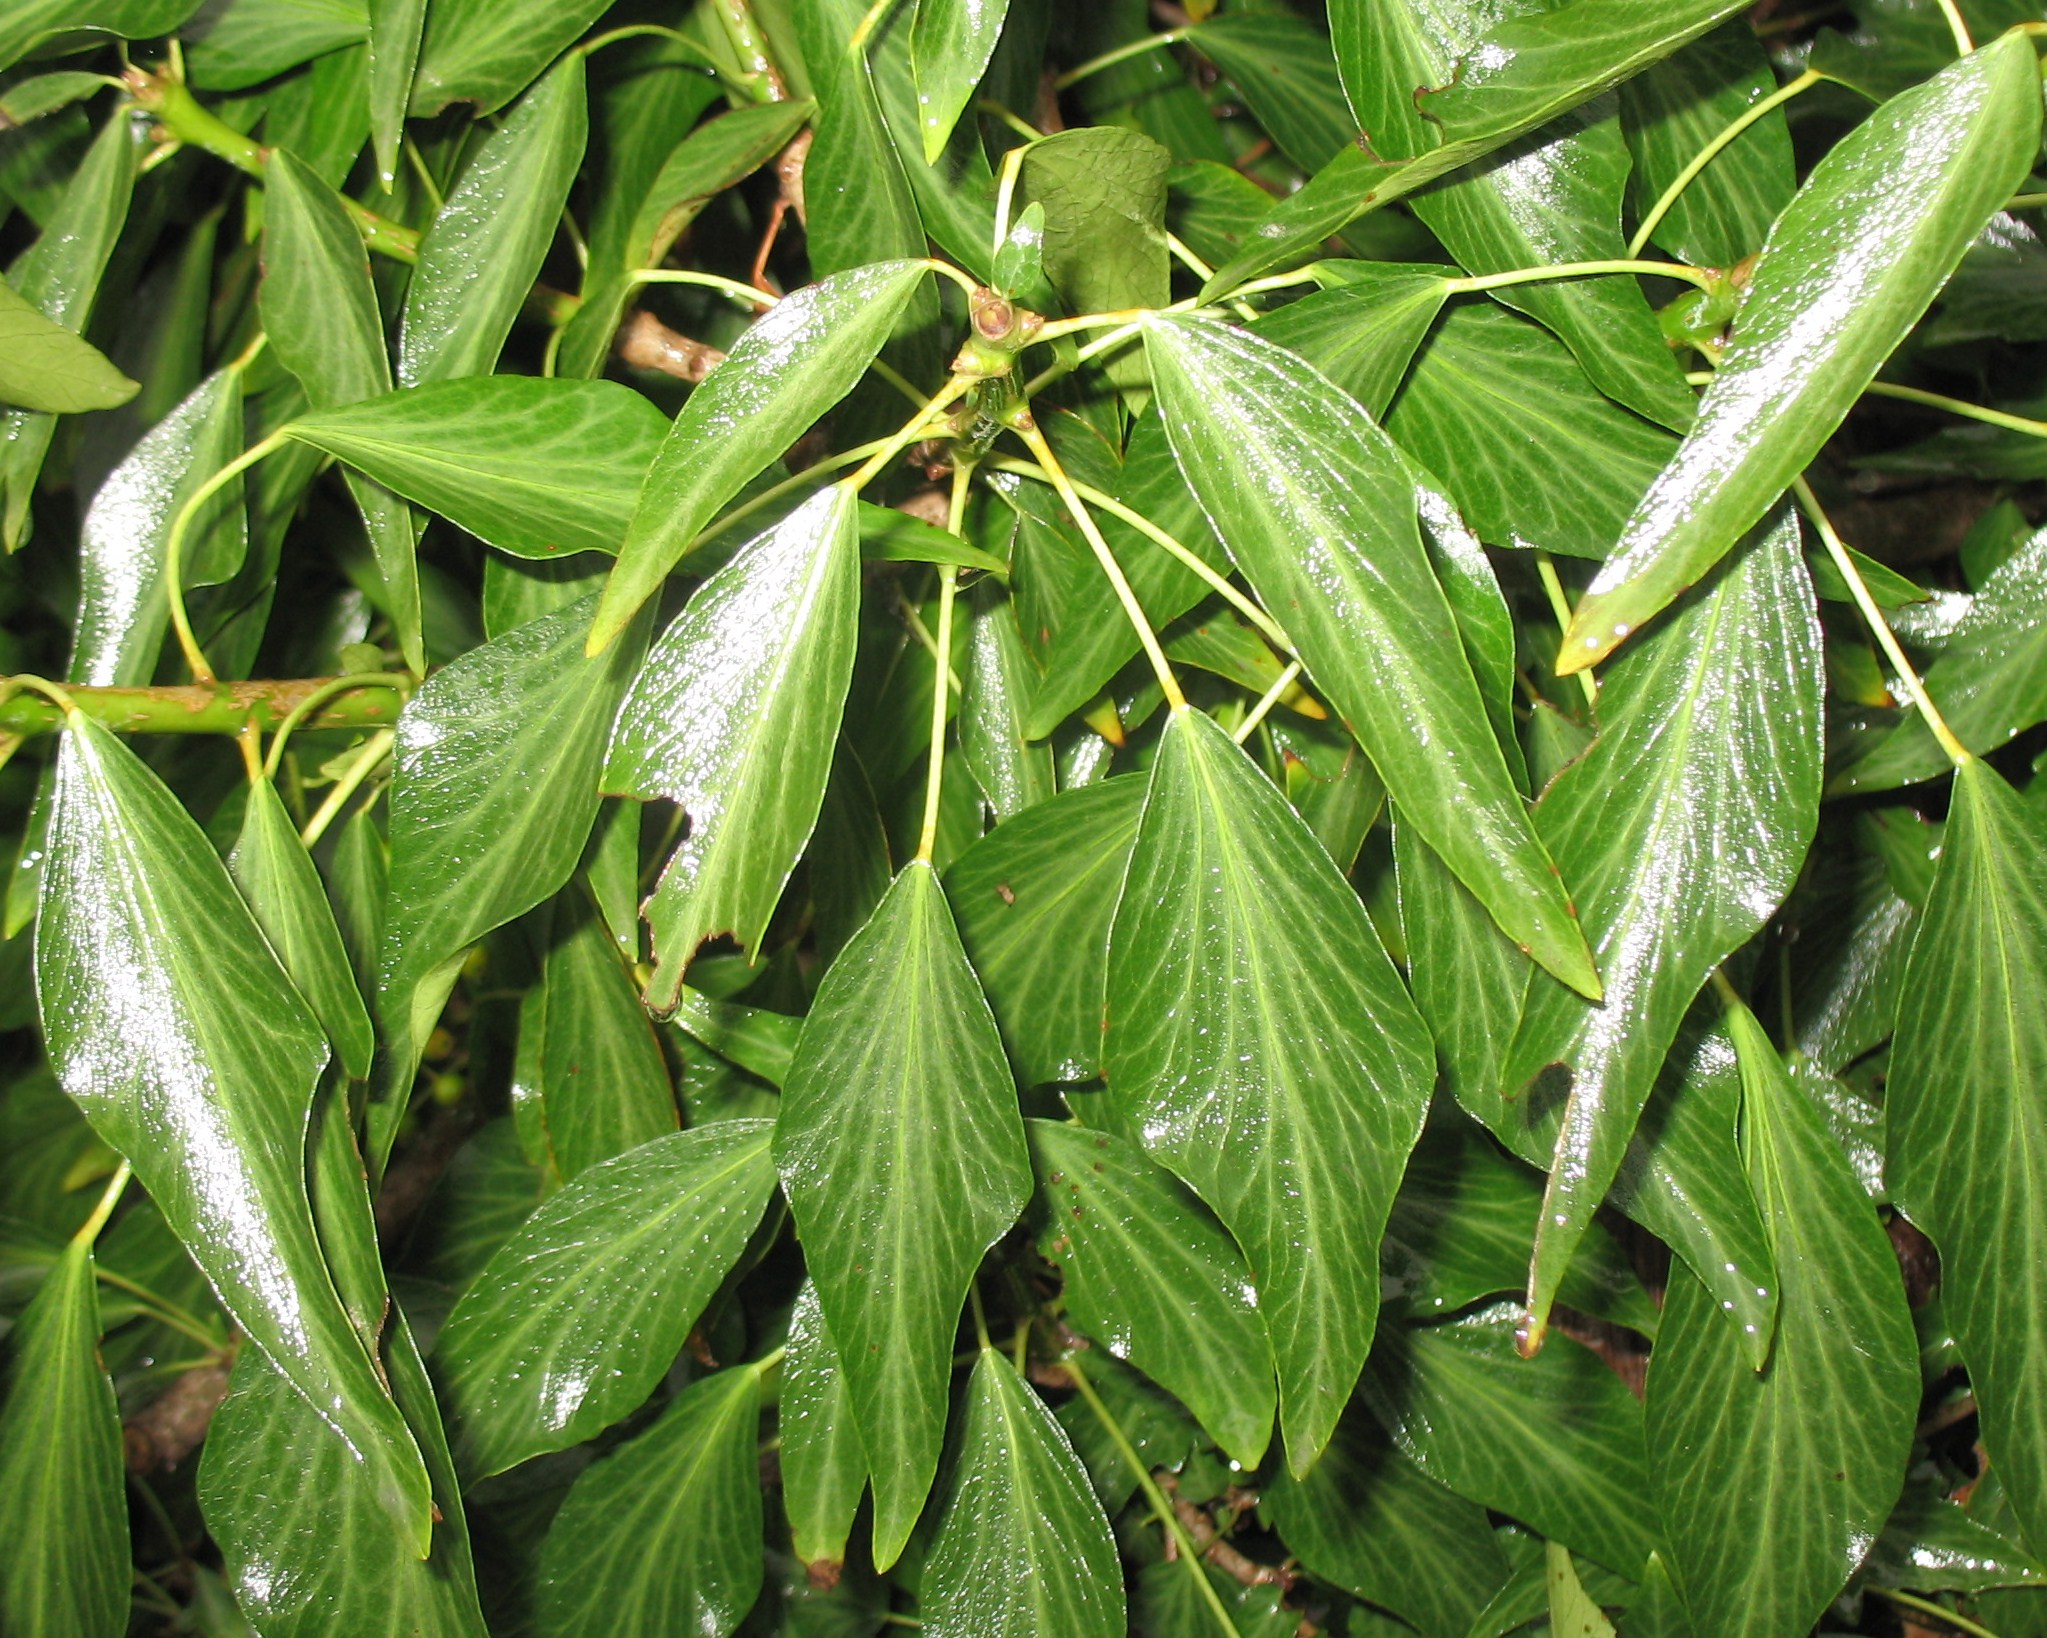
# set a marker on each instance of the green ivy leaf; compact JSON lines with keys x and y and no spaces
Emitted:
{"x":950,"y":44}
{"x":172,"y":1026}
{"x":903,"y":1158}
{"x":1320,"y":510}
{"x":1013,"y":773}
{"x":663,"y":1532}
{"x":44,"y":366}
{"x":733,"y":717}
{"x":488,"y":51}
{"x":1364,"y":333}
{"x":1022,"y":1547}
{"x":790,"y":368}
{"x":824,"y":1464}
{"x":533,"y":466}
{"x":483,"y":250}
{"x":395,"y":28}
{"x":1155,"y":1280}
{"x":1966,"y":1155}
{"x":1773,"y":1483}
{"x":1849,"y":268}
{"x":62,"y":1498}
{"x":1260,"y":1044}
{"x":571,"y":1324}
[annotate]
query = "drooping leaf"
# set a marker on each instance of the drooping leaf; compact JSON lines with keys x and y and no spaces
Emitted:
{"x":277,"y":879}
{"x":1773,"y":1483}
{"x":1034,"y":900}
{"x":573,"y":1321}
{"x":1022,"y":1546}
{"x":1152,"y":1278}
{"x":1848,"y":269}
{"x":59,"y":275}
{"x":1554,"y":1441}
{"x":61,"y":1494}
{"x":1531,"y":452}
{"x":902,"y":1155}
{"x":170,"y":1023}
{"x":1283,"y":66}
{"x":1681,"y":830}
{"x":1261,"y":1045}
{"x":950,"y":44}
{"x":28,"y":25}
{"x":234,"y":44}
{"x":124,"y":600}
{"x":495,"y":791}
{"x":663,"y":1533}
{"x":44,"y":366}
{"x":535,"y":466}
{"x":321,"y":308}
{"x":488,"y":51}
{"x":394,"y":38}
{"x":1367,"y":1519}
{"x":1672,"y":110}
{"x":789,"y":369}
{"x":1013,"y":773}
{"x":1966,"y":1153}
{"x":480,"y":255}
{"x":1319,"y":509}
{"x":733,"y":717}
{"x":824,"y":1464}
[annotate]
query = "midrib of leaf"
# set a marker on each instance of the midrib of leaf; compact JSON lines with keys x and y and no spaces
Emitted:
{"x":653,"y":1504}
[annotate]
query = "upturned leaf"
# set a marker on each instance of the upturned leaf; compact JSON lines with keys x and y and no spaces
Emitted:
{"x":539,"y":467}
{"x":1024,"y":1547}
{"x":903,"y":1157}
{"x":574,"y":1319}
{"x":1959,"y":1114}
{"x":733,"y":717}
{"x":480,"y":255}
{"x":1264,"y":1049}
{"x":1155,"y":1280}
{"x":44,"y":366}
{"x":790,"y":368}
{"x":1773,"y":1482}
{"x":65,"y":1570}
{"x":1318,"y":508}
{"x":1681,"y":829}
{"x":1848,"y":269}
{"x":172,"y":1026}
{"x":663,"y":1533}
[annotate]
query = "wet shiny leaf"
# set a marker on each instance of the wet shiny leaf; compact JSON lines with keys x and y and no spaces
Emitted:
{"x":789,"y":369}
{"x":733,"y":717}
{"x":950,"y":44}
{"x":1322,"y":519}
{"x":1364,"y":333}
{"x":1773,"y":1483}
{"x":1966,"y":1157}
{"x":663,"y":1532}
{"x":1012,"y":772}
{"x":824,"y":1464}
{"x":394,"y":40}
{"x":1023,"y":1546}
{"x":1681,"y":829}
{"x":1152,"y":1277}
{"x":571,"y":1324}
{"x":488,"y":51}
{"x":1261,"y":1045}
{"x":172,"y":1026}
{"x":483,"y":249}
{"x":903,"y":1158}
{"x":61,"y":1484}
{"x":543,"y":468}
{"x":1849,"y":268}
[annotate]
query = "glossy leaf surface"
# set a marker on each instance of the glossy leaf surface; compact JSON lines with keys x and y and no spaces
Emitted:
{"x":1034,"y":899}
{"x":1268,"y":1055}
{"x":537,"y":467}
{"x":1363,"y":333}
{"x":1773,"y":1483}
{"x":44,"y":366}
{"x":1958,"y":1112}
{"x":824,"y":1464}
{"x":532,"y":1358}
{"x":663,"y":1534}
{"x":903,"y":1158}
{"x":394,"y":39}
{"x":732,"y":717}
{"x":1682,"y":829}
{"x":1323,"y":523}
{"x":1154,"y":1279}
{"x":140,"y":945}
{"x":66,"y":1566}
{"x":950,"y":44}
{"x":1024,"y":1547}
{"x":487,"y":51}
{"x":790,"y":368}
{"x":1848,"y":269}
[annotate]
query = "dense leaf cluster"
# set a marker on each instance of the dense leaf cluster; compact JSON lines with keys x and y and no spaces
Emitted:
{"x":1030,"y":817}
